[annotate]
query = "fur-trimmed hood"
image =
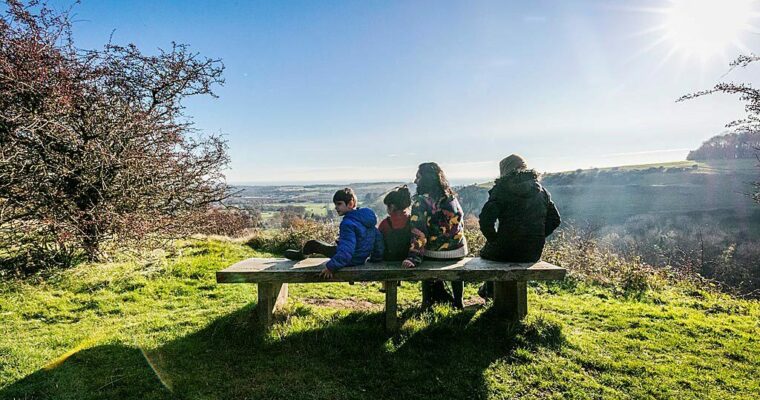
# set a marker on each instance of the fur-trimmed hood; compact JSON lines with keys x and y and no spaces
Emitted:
{"x":521,"y":183}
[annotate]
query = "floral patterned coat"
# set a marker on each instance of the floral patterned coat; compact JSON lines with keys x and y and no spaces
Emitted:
{"x":437,"y":226}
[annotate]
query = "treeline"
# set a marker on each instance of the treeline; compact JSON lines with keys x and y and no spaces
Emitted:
{"x":731,"y":146}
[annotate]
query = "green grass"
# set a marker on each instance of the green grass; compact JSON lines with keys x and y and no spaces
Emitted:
{"x":315,"y":208}
{"x":162,"y":329}
{"x":705,"y":166}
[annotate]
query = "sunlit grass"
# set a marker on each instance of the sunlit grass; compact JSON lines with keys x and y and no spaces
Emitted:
{"x":162,"y":328}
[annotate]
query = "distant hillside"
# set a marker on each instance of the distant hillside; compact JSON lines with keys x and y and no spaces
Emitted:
{"x":311,"y":200}
{"x":316,"y":193}
{"x":610,"y":195}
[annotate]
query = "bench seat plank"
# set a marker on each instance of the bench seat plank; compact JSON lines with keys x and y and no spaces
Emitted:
{"x":273,"y":275}
{"x":257,"y":270}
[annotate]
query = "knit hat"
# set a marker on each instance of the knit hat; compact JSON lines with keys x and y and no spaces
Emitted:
{"x":512,"y":163}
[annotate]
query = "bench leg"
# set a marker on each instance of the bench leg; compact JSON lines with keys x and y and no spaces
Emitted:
{"x":511,"y":299}
{"x":271,"y":297}
{"x":391,"y":305}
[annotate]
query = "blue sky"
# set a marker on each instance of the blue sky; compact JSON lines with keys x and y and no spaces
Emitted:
{"x":346,"y":91}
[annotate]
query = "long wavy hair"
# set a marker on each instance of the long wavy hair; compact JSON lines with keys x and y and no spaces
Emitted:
{"x":433,"y":181}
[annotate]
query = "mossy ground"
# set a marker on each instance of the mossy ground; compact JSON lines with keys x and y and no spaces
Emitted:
{"x":162,"y":329}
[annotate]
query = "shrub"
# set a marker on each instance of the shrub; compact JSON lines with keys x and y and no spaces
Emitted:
{"x":95,"y":145}
{"x":579,"y":251}
{"x":293,"y":237}
{"x":226,"y":222}
{"x":475,"y":239}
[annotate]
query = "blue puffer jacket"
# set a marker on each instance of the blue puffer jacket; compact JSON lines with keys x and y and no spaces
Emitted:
{"x":358,"y":240}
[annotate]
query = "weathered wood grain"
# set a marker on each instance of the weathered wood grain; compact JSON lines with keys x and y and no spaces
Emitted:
{"x":272,"y":295}
{"x":307,"y":271}
{"x":391,"y":306}
{"x":510,"y":299}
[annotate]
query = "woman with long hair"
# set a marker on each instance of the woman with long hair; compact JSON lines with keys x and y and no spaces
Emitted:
{"x":437,"y":231}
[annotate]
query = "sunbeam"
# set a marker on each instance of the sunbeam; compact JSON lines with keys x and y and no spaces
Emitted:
{"x":699,"y":31}
{"x":706,"y":28}
{"x":163,"y":379}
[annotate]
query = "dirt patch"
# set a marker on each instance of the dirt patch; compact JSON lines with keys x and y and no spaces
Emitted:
{"x":351,"y":304}
{"x":474,"y":302}
{"x":363,"y":305}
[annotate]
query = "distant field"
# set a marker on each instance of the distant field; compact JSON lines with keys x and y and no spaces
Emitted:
{"x":314,"y":208}
{"x":271,"y":210}
{"x":606,"y":194}
{"x":316,"y":199}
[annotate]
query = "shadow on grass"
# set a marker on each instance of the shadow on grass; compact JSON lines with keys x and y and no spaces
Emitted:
{"x":106,"y":371}
{"x":346,"y":356}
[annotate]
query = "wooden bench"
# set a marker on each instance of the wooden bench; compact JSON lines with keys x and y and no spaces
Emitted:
{"x":273,"y":275}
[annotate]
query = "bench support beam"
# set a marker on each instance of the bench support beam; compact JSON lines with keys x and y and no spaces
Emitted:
{"x":511,"y":299}
{"x":391,"y":305}
{"x":271,"y":297}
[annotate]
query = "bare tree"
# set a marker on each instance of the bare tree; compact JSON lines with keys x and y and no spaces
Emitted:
{"x":751,"y":98}
{"x":95,"y":144}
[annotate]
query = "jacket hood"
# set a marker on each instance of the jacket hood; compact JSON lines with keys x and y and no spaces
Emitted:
{"x":523,"y":183}
{"x":363,"y":216}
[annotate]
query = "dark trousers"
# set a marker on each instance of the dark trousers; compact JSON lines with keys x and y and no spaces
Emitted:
{"x":435,"y":291}
{"x":320,"y":247}
{"x":525,"y":250}
{"x":522,"y":251}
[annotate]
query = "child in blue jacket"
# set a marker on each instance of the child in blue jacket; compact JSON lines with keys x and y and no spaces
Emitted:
{"x":358,"y":238}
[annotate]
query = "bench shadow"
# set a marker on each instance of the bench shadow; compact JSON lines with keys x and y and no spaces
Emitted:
{"x":347,"y":356}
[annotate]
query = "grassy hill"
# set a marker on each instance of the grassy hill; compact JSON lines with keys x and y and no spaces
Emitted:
{"x":612,"y":195}
{"x":161,"y":328}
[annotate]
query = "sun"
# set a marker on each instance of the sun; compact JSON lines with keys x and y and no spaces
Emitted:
{"x":707,"y":28}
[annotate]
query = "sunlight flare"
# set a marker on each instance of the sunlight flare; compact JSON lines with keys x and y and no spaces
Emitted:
{"x":707,"y":28}
{"x":87,"y":343}
{"x":703,"y":30}
{"x":156,"y":370}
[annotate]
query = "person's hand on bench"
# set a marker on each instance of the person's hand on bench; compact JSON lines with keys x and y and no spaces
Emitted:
{"x":407,"y":264}
{"x":326,"y":273}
